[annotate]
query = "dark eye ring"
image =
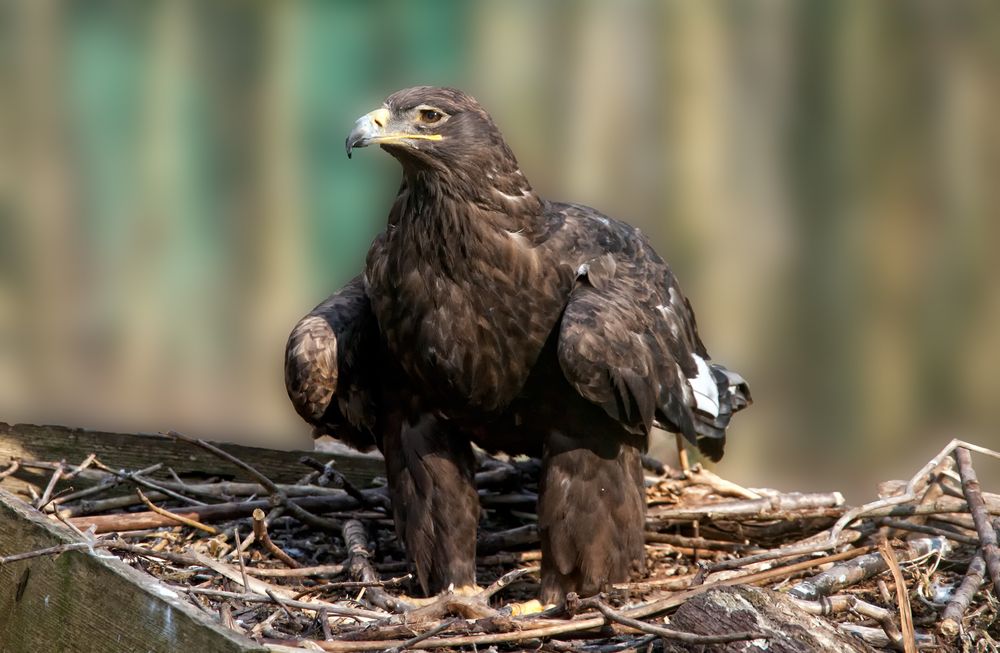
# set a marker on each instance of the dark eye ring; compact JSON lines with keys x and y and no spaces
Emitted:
{"x":430,"y":115}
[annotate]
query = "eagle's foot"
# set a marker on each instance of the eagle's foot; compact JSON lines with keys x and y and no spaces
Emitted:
{"x":467,"y":601}
{"x":523,"y":608}
{"x":464,"y":591}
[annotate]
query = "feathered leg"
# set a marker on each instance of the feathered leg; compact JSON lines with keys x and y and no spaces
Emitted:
{"x":431,"y":474}
{"x":591,"y":514}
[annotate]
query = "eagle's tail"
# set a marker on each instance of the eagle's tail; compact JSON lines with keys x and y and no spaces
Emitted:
{"x":733,"y":395}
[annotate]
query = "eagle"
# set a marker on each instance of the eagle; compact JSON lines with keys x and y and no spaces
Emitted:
{"x":488,"y":315}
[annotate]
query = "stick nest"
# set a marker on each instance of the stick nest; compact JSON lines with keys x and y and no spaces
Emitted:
{"x":316,"y":565}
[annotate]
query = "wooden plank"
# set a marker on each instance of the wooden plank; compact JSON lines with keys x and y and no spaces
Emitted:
{"x":135,"y":451}
{"x":83,"y":601}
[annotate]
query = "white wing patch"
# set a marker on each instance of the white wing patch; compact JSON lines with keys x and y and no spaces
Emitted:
{"x":706,"y":393}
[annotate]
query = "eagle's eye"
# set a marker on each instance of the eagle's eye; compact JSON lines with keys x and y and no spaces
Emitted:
{"x":430,"y":116}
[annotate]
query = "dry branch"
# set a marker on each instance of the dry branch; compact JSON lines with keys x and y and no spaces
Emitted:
{"x":860,"y":568}
{"x":902,"y":597}
{"x":980,"y":516}
{"x":276,"y":493}
{"x":951,"y":618}
{"x":173,"y":516}
{"x":668,"y":633}
{"x":260,"y":534}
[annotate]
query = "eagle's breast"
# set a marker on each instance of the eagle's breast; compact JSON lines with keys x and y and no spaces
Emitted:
{"x":464,"y":303}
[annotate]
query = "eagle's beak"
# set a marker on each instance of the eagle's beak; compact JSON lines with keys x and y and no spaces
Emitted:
{"x":367,"y":129}
{"x":374,"y":127}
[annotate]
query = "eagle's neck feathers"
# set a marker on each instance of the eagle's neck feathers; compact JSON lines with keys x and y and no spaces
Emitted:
{"x":472,"y":250}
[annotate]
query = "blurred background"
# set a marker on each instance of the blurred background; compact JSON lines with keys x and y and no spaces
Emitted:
{"x":824,"y":178}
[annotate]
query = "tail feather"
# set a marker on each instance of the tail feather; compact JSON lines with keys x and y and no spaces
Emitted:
{"x":734,"y":395}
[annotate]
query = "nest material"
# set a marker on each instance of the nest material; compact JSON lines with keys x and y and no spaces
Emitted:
{"x":317,"y":565}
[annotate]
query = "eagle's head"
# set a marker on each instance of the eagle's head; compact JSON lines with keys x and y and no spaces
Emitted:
{"x":432,"y":129}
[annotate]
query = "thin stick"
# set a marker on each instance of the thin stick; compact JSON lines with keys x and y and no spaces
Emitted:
{"x":928,"y":530}
{"x":667,"y":633}
{"x":902,"y":598}
{"x":137,"y":478}
{"x":951,"y":618}
{"x":301,"y":572}
{"x":413,"y":641}
{"x":360,"y":568}
{"x":178,"y":518}
{"x":239,"y":557}
{"x":279,"y":601}
{"x":87,"y":462}
{"x":977,"y":506}
{"x":380,"y":502}
{"x":505,"y":580}
{"x":276,"y":493}
{"x":54,"y":550}
{"x":254,"y":597}
{"x":15,"y":465}
{"x":352,"y":584}
{"x":261,"y":535}
{"x":47,"y":494}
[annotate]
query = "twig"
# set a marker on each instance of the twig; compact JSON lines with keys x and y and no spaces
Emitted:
{"x":276,"y":493}
{"x":87,"y":462}
{"x":360,"y":569}
{"x":912,"y":487}
{"x":845,"y":575}
{"x":700,"y":543}
{"x":410,"y":643}
{"x":977,"y":506}
{"x":301,"y":572}
{"x":178,"y":518}
{"x":137,"y":478}
{"x":352,"y":584}
{"x":902,"y":597}
{"x":928,"y":530}
{"x":505,"y":580}
{"x":54,"y":550}
{"x":951,"y":618}
{"x":263,"y":597}
{"x":841,"y":603}
{"x":667,"y":633}
{"x":261,"y":535}
{"x":878,"y":638}
{"x":239,"y":558}
{"x":279,"y":601}
{"x":15,"y":465}
{"x":701,"y":476}
{"x":328,"y":470}
{"x":47,"y":493}
{"x":773,"y":507}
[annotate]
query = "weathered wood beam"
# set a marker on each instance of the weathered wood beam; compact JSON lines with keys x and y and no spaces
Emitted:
{"x":134,"y":451}
{"x":87,"y":601}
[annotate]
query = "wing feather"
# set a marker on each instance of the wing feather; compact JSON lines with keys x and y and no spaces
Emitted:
{"x":330,"y":362}
{"x":628,"y":342}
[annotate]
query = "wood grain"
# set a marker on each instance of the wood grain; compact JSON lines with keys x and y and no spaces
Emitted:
{"x":135,"y":451}
{"x":84,"y":601}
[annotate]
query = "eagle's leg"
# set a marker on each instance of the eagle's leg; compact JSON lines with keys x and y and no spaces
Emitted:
{"x":431,"y":471}
{"x":591,"y":514}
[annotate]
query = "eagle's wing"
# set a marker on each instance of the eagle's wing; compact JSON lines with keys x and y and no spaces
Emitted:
{"x":628,"y":342}
{"x":330,"y":362}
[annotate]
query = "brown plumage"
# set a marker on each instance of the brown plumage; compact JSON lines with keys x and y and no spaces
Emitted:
{"x":523,"y":325}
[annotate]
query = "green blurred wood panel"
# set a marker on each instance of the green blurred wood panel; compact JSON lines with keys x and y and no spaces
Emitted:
{"x":89,"y":601}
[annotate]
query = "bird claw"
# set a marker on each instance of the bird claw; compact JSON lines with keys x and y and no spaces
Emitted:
{"x":523,"y":608}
